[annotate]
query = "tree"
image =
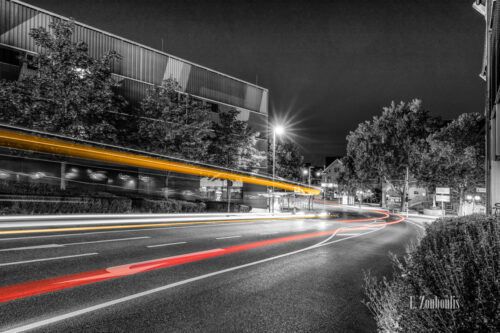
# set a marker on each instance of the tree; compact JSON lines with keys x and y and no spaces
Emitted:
{"x":385,"y":147}
{"x":348,"y":179}
{"x":454,"y":155}
{"x":68,"y":93}
{"x":249,"y":157}
{"x":174,"y":124}
{"x":233,"y":143}
{"x":289,"y":160}
{"x":178,"y":125}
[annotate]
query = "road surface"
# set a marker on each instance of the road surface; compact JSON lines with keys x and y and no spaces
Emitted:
{"x":281,"y":275}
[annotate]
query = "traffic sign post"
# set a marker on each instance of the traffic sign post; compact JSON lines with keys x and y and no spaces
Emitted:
{"x":442,"y":198}
{"x":443,"y":190}
{"x":443,"y":195}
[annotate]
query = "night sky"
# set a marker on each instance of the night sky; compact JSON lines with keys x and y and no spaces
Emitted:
{"x":329,"y":65}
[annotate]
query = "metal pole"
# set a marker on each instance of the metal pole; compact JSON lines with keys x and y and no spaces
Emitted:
{"x":324,"y":192}
{"x":63,"y":177}
{"x":490,"y":95}
{"x":407,"y":186}
{"x":274,"y":167}
{"x":309,"y":181}
{"x":228,"y":190}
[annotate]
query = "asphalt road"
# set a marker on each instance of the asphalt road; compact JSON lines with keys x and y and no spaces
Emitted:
{"x":290,"y":275}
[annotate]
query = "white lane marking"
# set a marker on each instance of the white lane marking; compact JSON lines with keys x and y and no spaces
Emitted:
{"x":168,"y":244}
{"x":268,"y":233}
{"x":106,"y":240}
{"x":47,"y":259}
{"x":80,"y":312}
{"x":346,"y":234}
{"x":46,"y":246}
{"x":169,"y":286}
{"x":228,"y":237}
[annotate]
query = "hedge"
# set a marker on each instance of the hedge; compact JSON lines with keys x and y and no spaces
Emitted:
{"x":101,"y":205}
{"x":42,"y":189}
{"x":86,"y":205}
{"x":457,"y":257}
{"x":40,"y":198}
{"x":170,"y":206}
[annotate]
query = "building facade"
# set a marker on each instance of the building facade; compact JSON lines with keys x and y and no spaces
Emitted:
{"x":490,"y":72}
{"x":140,"y":68}
{"x":332,"y":172}
{"x":330,"y":178}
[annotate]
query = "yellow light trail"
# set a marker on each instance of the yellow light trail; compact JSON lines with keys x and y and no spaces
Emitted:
{"x":52,"y":146}
{"x":149,"y":225}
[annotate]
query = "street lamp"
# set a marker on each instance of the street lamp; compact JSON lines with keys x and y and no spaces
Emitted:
{"x":308,"y":172}
{"x":278,"y":129}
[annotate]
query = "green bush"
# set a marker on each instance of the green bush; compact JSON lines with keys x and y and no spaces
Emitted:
{"x":192,"y":207}
{"x":244,"y":208}
{"x":458,"y":257}
{"x":169,"y":206}
{"x":158,"y":206}
{"x":42,"y":189}
{"x":53,"y":200}
{"x":97,"y":205}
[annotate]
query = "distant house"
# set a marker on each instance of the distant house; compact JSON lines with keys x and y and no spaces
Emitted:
{"x":332,"y":172}
{"x":330,"y":159}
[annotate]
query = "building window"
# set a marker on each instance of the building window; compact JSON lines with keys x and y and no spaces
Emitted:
{"x":9,"y":56}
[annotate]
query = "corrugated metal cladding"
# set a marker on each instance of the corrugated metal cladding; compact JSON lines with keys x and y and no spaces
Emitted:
{"x":138,"y":63}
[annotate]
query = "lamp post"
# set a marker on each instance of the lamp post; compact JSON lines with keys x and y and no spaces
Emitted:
{"x":308,"y":173}
{"x":278,"y":129}
{"x":323,"y":188}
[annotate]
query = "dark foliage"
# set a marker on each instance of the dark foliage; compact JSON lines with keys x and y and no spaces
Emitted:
{"x":457,"y":257}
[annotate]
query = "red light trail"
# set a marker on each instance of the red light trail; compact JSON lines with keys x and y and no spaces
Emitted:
{"x":32,"y":288}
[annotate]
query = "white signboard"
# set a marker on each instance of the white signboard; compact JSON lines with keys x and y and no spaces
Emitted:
{"x":481,"y":189}
{"x":442,"y":198}
{"x":215,"y":182}
{"x":442,"y":190}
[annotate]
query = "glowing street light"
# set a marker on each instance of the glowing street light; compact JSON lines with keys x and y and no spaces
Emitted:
{"x":308,"y":172}
{"x":278,"y":129}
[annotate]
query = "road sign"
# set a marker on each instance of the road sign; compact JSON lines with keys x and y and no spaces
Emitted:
{"x":442,"y":190}
{"x":481,"y":189}
{"x":442,"y":198}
